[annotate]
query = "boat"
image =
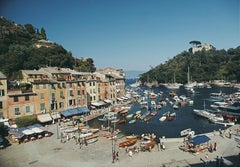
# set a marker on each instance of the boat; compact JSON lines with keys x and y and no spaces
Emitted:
{"x":147,"y":118}
{"x":163,"y":118}
{"x":185,"y":132}
{"x":204,"y":113}
{"x":91,"y":137}
{"x":217,"y":96}
{"x":154,"y":113}
{"x":83,"y":135}
{"x":132,"y":121}
{"x":217,"y":104}
{"x":127,"y":143}
{"x":129,"y":116}
{"x":117,"y":136}
{"x":102,"y":119}
{"x":171,"y":116}
{"x":121,"y":121}
{"x":93,"y":140}
{"x":131,"y":137}
{"x":138,"y":112}
{"x":93,"y":130}
{"x":225,"y":123}
{"x":149,"y":145}
{"x":115,"y":121}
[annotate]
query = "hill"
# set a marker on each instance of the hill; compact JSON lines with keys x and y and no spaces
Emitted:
{"x":203,"y":66}
{"x":26,"y":47}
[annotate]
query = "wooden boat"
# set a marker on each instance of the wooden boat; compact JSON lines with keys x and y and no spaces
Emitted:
{"x":154,"y":113}
{"x":127,"y":143}
{"x":171,"y":116}
{"x":185,"y":132}
{"x":91,"y":137}
{"x":150,"y":145}
{"x":147,"y":118}
{"x":131,"y":137}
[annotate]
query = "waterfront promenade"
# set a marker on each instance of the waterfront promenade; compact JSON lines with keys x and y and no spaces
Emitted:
{"x":50,"y":152}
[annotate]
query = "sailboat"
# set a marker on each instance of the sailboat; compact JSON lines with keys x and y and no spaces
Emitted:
{"x":189,"y":85}
{"x":173,"y":85}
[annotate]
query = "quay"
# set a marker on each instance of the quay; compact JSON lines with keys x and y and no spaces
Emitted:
{"x":50,"y":152}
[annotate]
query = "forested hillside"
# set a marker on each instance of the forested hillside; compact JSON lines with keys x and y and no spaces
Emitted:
{"x":203,"y":66}
{"x":26,"y":47}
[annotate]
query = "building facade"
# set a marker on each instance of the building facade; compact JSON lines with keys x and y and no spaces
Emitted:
{"x":54,"y":90}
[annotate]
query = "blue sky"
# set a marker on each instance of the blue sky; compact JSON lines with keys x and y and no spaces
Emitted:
{"x":130,"y":34}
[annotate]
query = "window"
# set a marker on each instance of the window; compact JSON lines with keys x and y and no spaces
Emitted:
{"x":42,"y":106}
{"x":61,"y":105}
{"x":42,"y":96}
{"x":15,"y":98}
{"x":27,"y":98}
{"x":79,"y":92}
{"x":1,"y":105}
{"x":44,"y":86}
{"x":53,"y":95}
{"x":2,"y":93}
{"x":71,"y":93}
{"x":83,"y":92}
{"x":70,"y":85}
{"x":17,"y":112}
{"x":1,"y":114}
{"x":28,"y":109}
{"x":61,"y":94}
{"x":37,"y":86}
{"x":79,"y":101}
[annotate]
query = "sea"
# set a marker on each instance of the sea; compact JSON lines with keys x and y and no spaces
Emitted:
{"x":185,"y":118}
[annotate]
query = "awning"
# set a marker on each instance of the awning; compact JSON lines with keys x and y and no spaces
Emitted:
{"x":55,"y":115}
{"x":75,"y":111}
{"x":44,"y":118}
{"x":108,"y":101}
{"x":98,"y":104}
{"x":199,"y":139}
{"x":40,"y":127}
{"x":83,"y":110}
{"x":28,"y":132}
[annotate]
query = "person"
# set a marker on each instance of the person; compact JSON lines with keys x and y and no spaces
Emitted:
{"x":117,"y":156}
{"x":221,"y":162}
{"x":114,"y":156}
{"x":206,"y":156}
{"x":230,"y":134}
{"x":215,"y":146}
{"x":130,"y":153}
{"x":217,"y":162}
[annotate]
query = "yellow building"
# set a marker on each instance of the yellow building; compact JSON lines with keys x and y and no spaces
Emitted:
{"x":3,"y":96}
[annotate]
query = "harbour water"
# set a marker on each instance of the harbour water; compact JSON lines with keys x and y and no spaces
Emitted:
{"x":185,"y":118}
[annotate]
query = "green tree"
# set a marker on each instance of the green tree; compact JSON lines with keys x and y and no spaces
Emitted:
{"x":43,"y":34}
{"x":26,"y":120}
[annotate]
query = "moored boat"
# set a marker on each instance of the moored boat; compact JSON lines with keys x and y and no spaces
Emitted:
{"x":131,"y":137}
{"x":163,"y":118}
{"x":132,"y":121}
{"x":185,"y":132}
